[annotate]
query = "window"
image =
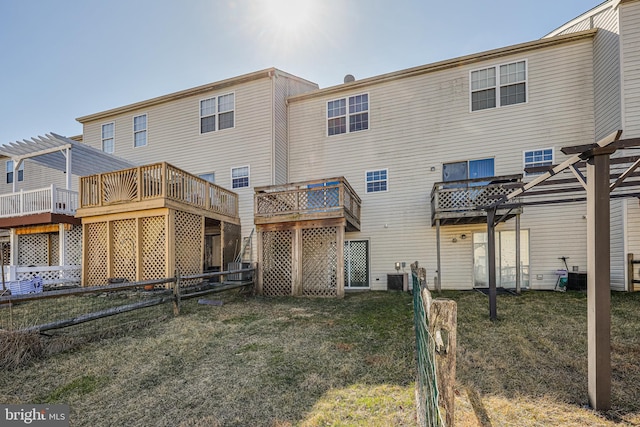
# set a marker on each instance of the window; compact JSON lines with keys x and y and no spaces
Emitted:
{"x":240,"y":177}
{"x":376,"y":180}
{"x":535,"y":158}
{"x":108,"y":144}
{"x":348,"y":114}
{"x":499,"y":86}
{"x":10,"y":172}
{"x":218,"y":110}
{"x":471,"y":169}
{"x":211,"y":177}
{"x":140,"y":131}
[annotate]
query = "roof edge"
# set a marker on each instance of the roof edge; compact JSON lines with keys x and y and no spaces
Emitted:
{"x":591,"y":12}
{"x":450,"y":63}
{"x":221,"y":84}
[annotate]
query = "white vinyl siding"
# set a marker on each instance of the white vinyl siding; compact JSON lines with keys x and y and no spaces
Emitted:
{"x":630,"y":56}
{"x":140,"y":130}
{"x":415,"y":139}
{"x":108,"y":137}
{"x":617,"y":244}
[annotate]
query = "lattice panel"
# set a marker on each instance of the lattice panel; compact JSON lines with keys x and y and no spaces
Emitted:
{"x":469,"y":197}
{"x":322,"y":198}
{"x":153,"y":244}
{"x":319,"y":261}
{"x":96,"y":256}
{"x":277,"y":202}
{"x":54,"y":249}
{"x":33,"y":249}
{"x":276,"y":263}
{"x":188,"y":244}
{"x":74,"y":245}
{"x":356,"y":255}
{"x":123,"y":249}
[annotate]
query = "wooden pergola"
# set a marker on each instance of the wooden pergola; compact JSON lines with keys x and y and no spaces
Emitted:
{"x":599,"y":182}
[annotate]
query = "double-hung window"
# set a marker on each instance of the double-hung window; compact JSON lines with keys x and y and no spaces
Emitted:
{"x":217,"y":113}
{"x":240,"y":177}
{"x":377,"y":180}
{"x":108,"y":137}
{"x":347,"y":115}
{"x":533,"y":158}
{"x":140,"y":130}
{"x":499,"y":86}
{"x":10,"y":172}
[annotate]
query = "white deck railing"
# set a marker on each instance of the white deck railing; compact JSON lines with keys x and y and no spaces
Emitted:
{"x":44,"y":200}
{"x":50,"y":275}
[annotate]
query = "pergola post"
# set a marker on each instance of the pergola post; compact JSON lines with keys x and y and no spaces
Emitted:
{"x":491,"y":255}
{"x":518,"y":272}
{"x":598,"y":280}
{"x":438,"y":286}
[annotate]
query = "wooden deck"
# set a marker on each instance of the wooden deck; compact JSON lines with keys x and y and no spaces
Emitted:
{"x":158,"y":185}
{"x":43,"y":200}
{"x":317,"y":200}
{"x":462,"y":202}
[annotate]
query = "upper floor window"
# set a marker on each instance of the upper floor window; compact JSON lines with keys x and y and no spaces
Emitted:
{"x":140,"y":131}
{"x":535,"y":158}
{"x":240,"y":177}
{"x":376,"y":180}
{"x":108,"y":140}
{"x":499,"y":86}
{"x":10,"y":172}
{"x":471,"y":169}
{"x":348,"y":114}
{"x":210,"y":176}
{"x":217,"y":113}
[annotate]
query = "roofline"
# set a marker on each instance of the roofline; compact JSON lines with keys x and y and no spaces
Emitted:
{"x":593,"y":11}
{"x":449,"y":63}
{"x":257,"y":75}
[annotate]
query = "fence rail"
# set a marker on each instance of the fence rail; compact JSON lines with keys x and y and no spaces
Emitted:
{"x":43,"y":200}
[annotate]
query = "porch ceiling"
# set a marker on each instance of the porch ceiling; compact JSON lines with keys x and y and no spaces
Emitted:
{"x":50,"y":151}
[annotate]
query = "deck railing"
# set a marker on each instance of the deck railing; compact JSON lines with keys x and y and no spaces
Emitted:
{"x":160,"y":180}
{"x":308,"y":198}
{"x":469,"y":197}
{"x":43,"y":200}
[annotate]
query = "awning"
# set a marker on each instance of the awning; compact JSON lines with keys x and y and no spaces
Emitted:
{"x":63,"y":154}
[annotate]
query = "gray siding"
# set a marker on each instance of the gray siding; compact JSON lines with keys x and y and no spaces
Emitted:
{"x":617,"y":246}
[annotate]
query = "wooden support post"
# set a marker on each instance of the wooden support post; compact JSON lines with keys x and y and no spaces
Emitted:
{"x":443,"y":324}
{"x":491,"y":255}
{"x":340,"y":261}
{"x":259,"y":272}
{"x":296,"y":261}
{"x":518,"y":272}
{"x":598,"y":282}
{"x":438,"y":286}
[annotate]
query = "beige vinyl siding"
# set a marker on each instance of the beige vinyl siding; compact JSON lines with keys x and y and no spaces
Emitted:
{"x":633,"y":232}
{"x":617,"y":244}
{"x":582,"y":25}
{"x":421,"y":122}
{"x":630,"y":57}
{"x":606,"y":52}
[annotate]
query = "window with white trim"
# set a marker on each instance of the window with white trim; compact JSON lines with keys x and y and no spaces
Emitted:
{"x":217,"y":113}
{"x":10,"y":172}
{"x":499,"y":86}
{"x":534,"y":158}
{"x":377,"y":180}
{"x":108,"y":137}
{"x":347,"y":115}
{"x":240,"y":177}
{"x":209,"y":176}
{"x":140,"y":130}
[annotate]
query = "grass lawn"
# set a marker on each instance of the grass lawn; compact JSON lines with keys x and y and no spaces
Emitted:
{"x":315,"y":362}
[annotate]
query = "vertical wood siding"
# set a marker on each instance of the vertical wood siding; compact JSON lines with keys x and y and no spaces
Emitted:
{"x":421,"y":122}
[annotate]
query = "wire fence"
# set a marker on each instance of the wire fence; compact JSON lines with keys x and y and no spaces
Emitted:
{"x":426,"y":383}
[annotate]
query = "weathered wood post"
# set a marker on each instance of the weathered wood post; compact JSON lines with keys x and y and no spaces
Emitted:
{"x":176,"y":295}
{"x":443,"y":323}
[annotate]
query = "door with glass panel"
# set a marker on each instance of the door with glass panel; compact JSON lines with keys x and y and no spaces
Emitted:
{"x":356,"y":264}
{"x":505,"y":259}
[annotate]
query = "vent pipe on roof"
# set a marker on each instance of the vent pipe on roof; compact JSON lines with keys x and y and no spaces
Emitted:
{"x":349,"y":78}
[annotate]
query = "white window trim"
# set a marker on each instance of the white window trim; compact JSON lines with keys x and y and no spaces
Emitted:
{"x":524,"y":164}
{"x":498,"y":85}
{"x":248,"y":177}
{"x":216,"y":114}
{"x":146,"y":130}
{"x":14,"y":177}
{"x":346,"y":98}
{"x":366,"y":183}
{"x":113,"y":137}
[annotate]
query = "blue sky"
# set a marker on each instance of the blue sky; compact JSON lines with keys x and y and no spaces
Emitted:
{"x":63,"y":59}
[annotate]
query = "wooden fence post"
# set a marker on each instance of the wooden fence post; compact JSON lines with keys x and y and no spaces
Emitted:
{"x":443,"y":324}
{"x":176,"y":295}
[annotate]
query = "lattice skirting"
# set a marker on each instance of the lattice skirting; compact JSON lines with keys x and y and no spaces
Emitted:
{"x":319,"y":261}
{"x":96,"y":256}
{"x":188,"y":244}
{"x":276,"y":262}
